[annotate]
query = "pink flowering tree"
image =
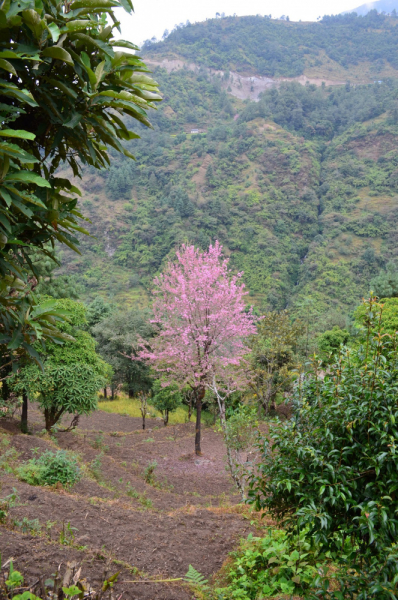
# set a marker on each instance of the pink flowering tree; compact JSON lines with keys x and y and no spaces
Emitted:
{"x":202,"y":325}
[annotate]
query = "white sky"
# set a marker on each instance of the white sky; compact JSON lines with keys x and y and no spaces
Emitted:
{"x":152,"y":17}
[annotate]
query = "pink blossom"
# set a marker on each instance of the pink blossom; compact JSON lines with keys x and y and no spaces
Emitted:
{"x":199,"y":311}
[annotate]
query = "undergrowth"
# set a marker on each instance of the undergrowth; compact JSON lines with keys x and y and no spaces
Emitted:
{"x":269,"y":566}
{"x":51,"y":468}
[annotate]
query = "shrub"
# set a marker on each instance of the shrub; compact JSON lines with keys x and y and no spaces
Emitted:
{"x":51,"y":468}
{"x":270,"y":565}
{"x":333,"y":468}
{"x":165,"y":399}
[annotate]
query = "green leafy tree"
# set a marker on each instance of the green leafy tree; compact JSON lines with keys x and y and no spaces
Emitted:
{"x":273,"y":357}
{"x":116,"y":336}
{"x":385,"y":285}
{"x":387,"y":312}
{"x":165,"y":399}
{"x":329,"y":342}
{"x":65,"y":84}
{"x":73,"y":373}
{"x":97,"y":311}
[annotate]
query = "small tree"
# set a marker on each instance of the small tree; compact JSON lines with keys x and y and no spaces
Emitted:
{"x":272,"y":357}
{"x":73,"y":373}
{"x":116,"y":334}
{"x":199,"y":312}
{"x":165,"y":399}
{"x":330,"y":341}
{"x":239,"y":430}
{"x":143,"y":398}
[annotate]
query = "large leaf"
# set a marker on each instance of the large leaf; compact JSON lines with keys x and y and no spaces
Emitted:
{"x":7,"y":66}
{"x":17,"y":152}
{"x":94,"y":4}
{"x":58,"y":53}
{"x":28,"y":177}
{"x":17,"y":133}
{"x":55,"y":32}
{"x":91,"y":41}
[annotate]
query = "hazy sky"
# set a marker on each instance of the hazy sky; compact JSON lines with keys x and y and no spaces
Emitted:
{"x":152,"y":17}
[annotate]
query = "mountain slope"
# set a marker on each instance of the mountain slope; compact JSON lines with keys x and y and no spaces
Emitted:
{"x":340,"y":47}
{"x":387,"y":6}
{"x":301,"y":188}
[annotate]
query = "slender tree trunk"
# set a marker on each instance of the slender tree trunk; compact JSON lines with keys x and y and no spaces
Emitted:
{"x":190,"y":406}
{"x":199,"y":397}
{"x":24,"y":416}
{"x":166,"y":418}
{"x":105,"y":392}
{"x":223,"y":420}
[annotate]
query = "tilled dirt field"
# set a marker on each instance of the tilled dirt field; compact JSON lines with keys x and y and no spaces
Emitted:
{"x":188,"y":515}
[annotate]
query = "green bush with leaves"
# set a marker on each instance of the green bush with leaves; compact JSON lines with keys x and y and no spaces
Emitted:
{"x":73,"y":373}
{"x":273,"y":564}
{"x":330,"y":341}
{"x":333,"y":468}
{"x":165,"y":399}
{"x":51,"y":468}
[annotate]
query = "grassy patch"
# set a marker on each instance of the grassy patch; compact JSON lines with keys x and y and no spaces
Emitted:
{"x":131,"y":408}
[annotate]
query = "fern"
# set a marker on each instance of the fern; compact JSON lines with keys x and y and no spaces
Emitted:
{"x":194,"y":577}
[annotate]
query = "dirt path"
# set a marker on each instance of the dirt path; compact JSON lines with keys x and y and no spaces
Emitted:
{"x":188,"y":515}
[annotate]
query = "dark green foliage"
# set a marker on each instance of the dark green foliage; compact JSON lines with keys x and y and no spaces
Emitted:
{"x":273,"y":357}
{"x":273,"y":564}
{"x":300,"y":187}
{"x":51,"y":468}
{"x":385,"y":310}
{"x":62,"y":87}
{"x":367,"y":578}
{"x":323,"y":112}
{"x":117,"y":336}
{"x":333,"y":467}
{"x":280,"y":48}
{"x":385,"y":285}
{"x":97,"y":311}
{"x":329,"y":342}
{"x":73,"y":373}
{"x":165,"y":399}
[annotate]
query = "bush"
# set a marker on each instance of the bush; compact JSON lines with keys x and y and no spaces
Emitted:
{"x":51,"y":468}
{"x":333,"y":468}
{"x":270,"y":565}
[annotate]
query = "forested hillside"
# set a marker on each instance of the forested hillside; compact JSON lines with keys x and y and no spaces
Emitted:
{"x":301,"y":188}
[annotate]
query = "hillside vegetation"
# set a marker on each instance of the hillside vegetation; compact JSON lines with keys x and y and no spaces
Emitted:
{"x":339,"y":46}
{"x":300,"y":187}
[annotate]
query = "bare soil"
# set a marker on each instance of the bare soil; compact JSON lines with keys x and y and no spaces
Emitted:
{"x":189,"y":514}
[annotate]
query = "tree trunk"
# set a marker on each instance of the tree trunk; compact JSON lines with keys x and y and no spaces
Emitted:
{"x":105,"y":392}
{"x":24,"y":416}
{"x":190,"y":406}
{"x":199,"y":397}
{"x":166,"y":418}
{"x":131,"y":393}
{"x":49,"y":417}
